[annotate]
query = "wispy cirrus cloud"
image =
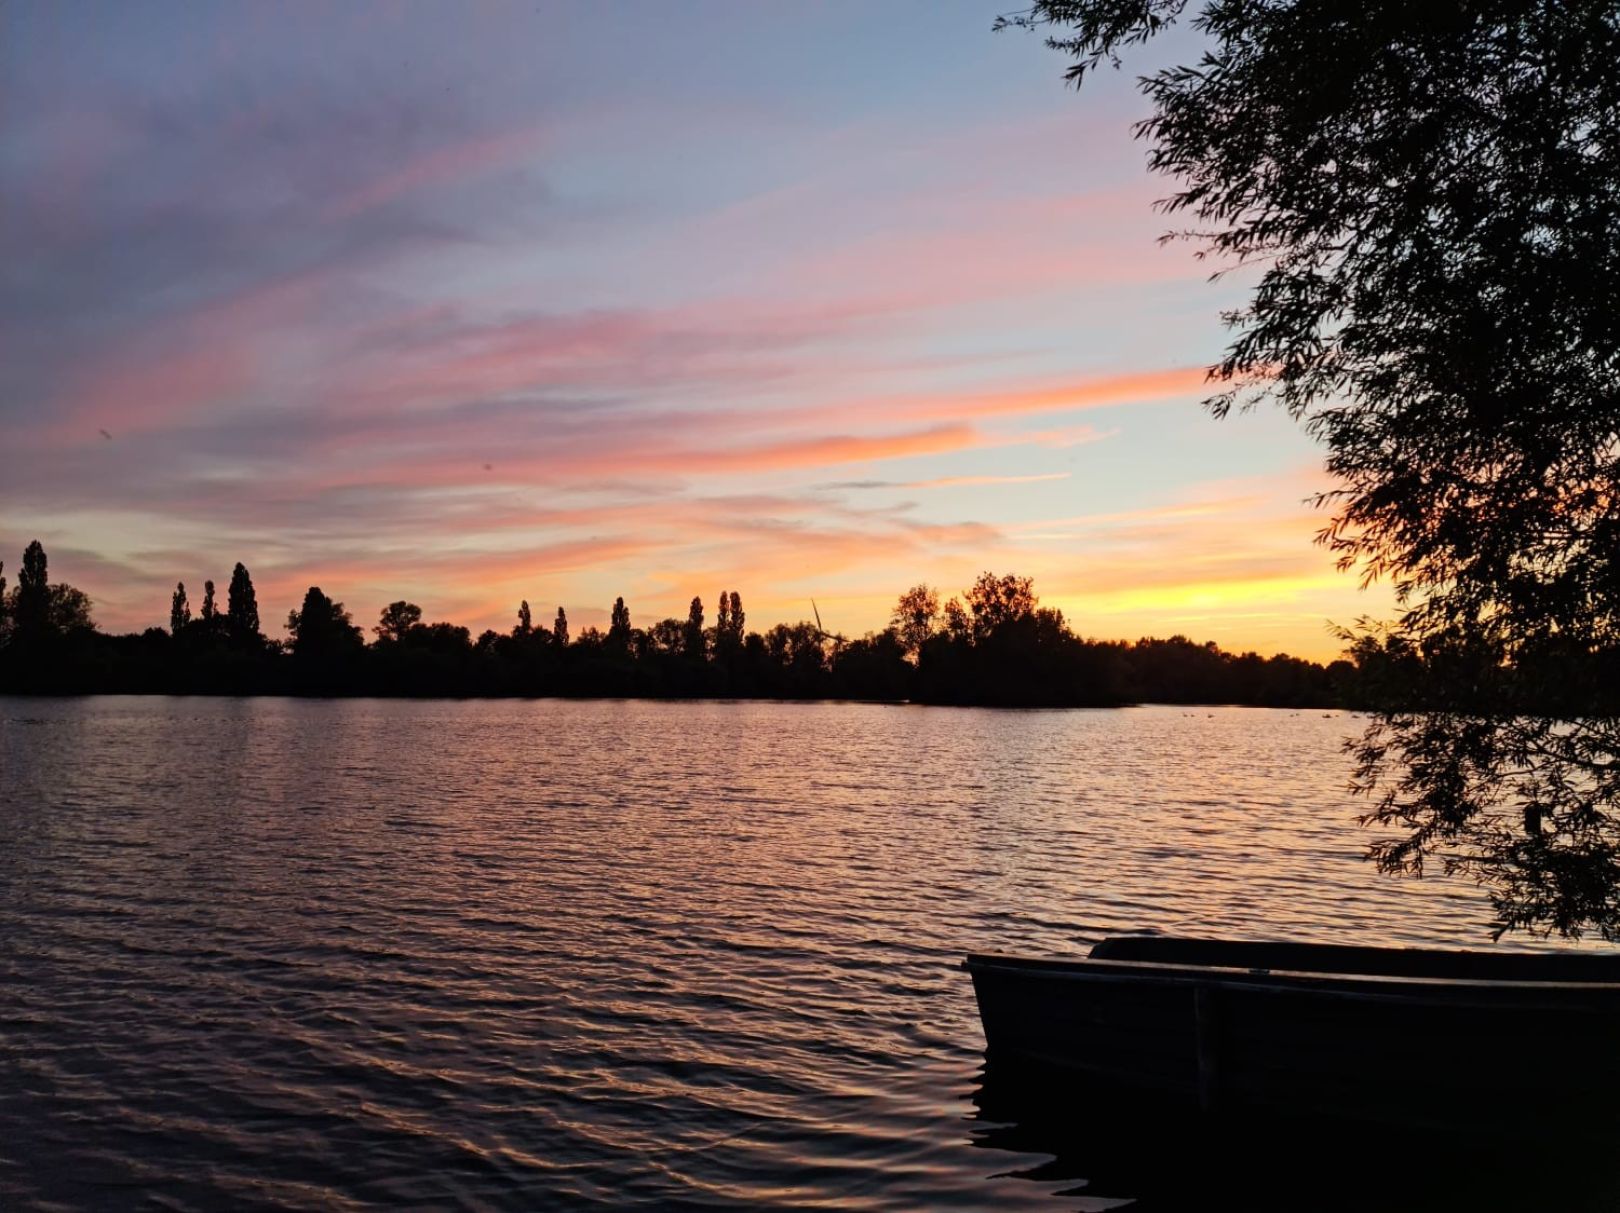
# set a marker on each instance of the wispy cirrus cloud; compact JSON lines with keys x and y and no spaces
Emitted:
{"x":942,"y":482}
{"x":460,"y":312}
{"x":449,"y":163}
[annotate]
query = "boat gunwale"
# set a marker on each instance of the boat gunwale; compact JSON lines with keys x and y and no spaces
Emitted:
{"x":1292,"y":980}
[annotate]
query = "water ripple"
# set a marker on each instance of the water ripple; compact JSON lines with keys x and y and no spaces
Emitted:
{"x":290,"y":955}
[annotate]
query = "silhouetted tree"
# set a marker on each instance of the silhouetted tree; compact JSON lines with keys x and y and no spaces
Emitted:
{"x":31,"y":609}
{"x":525,"y":623}
{"x":619,"y":624}
{"x":1429,"y":192}
{"x":559,"y":629}
{"x":322,"y":628}
{"x":242,"y":605}
{"x":728,"y":627}
{"x":443,"y":638}
{"x":208,"y":610}
{"x":397,"y":619}
{"x":5,"y":607}
{"x":1004,"y":648}
{"x":799,"y":651}
{"x":179,"y":610}
{"x":37,"y":612}
{"x":692,"y":637}
{"x":873,"y":667}
{"x":67,"y":609}
{"x":667,"y":636}
{"x":998,"y":601}
{"x":915,"y":618}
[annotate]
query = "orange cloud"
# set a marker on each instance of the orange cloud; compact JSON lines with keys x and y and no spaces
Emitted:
{"x":820,"y":452}
{"x":585,"y":459}
{"x":1103,"y":391}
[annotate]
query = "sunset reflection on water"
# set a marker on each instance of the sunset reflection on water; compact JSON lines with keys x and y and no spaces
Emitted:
{"x":520,"y":954}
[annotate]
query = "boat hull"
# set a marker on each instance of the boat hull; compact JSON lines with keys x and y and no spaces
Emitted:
{"x":1415,"y":1051}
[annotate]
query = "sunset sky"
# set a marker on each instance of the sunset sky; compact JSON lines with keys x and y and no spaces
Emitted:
{"x":474,"y":303}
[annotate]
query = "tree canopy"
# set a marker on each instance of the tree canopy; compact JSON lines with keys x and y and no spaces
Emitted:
{"x":396,"y":620}
{"x":321,"y":628}
{"x":1429,"y":196}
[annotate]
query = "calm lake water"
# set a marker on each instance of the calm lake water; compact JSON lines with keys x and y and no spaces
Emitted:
{"x":554,"y":955}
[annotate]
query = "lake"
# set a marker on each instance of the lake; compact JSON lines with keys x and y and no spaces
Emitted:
{"x":544,"y":954}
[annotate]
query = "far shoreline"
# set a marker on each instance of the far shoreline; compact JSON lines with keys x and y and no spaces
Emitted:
{"x":367,"y":697}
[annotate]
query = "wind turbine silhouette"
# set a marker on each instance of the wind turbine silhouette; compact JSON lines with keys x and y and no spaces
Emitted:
{"x":821,"y":632}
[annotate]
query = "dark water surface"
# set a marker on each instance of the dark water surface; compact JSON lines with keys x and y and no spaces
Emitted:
{"x":547,"y":955}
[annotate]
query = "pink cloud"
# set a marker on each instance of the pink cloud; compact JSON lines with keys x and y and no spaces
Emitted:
{"x":586,"y":458}
{"x":176,"y":368}
{"x":949,"y":482}
{"x":129,"y":392}
{"x":691,"y":441}
{"x":438,"y":167}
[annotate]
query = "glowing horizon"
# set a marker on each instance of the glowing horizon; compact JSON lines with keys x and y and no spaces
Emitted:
{"x":500,"y":303}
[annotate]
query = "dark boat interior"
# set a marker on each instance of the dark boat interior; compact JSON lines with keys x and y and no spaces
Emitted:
{"x":1363,"y":961}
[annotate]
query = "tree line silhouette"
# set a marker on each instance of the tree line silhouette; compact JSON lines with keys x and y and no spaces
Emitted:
{"x":993,"y":645}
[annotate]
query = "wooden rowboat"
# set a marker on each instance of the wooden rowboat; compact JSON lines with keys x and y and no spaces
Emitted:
{"x":1392,"y":1036}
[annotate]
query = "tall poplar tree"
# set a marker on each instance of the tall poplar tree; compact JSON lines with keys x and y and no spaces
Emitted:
{"x":33,"y":599}
{"x":692,"y":633}
{"x":619,"y":624}
{"x":179,"y":609}
{"x":242,"y":605}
